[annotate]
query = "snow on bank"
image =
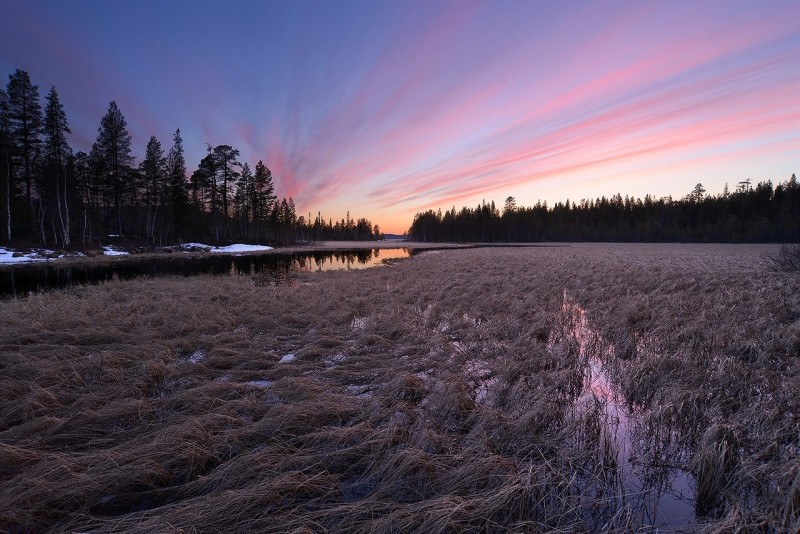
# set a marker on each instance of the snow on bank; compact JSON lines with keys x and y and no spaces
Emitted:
{"x":108,"y":250}
{"x":230,"y":249}
{"x":7,"y":256}
{"x":241,"y":248}
{"x":11,"y":256}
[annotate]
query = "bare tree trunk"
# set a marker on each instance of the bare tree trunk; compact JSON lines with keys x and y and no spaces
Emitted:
{"x":8,"y":197}
{"x":67,"y":239}
{"x":41,"y":222}
{"x":61,"y":211}
{"x":85,"y":225}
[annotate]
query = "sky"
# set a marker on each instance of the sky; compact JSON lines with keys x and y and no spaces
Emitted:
{"x":388,"y":108}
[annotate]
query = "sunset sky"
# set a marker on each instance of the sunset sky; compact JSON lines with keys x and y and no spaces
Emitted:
{"x":389,"y":108}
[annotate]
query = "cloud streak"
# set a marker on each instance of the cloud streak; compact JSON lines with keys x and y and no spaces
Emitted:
{"x":387,"y":108}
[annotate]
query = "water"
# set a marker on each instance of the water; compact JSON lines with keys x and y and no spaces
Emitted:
{"x":274,"y":269}
{"x":651,"y":493}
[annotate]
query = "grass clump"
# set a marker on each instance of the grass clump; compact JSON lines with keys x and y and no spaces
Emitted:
{"x":786,"y":259}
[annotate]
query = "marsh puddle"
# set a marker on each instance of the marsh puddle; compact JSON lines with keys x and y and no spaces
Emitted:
{"x":653,"y":494}
{"x":272,"y":269}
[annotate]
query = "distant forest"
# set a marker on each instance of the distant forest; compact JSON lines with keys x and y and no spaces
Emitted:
{"x":760,"y":214}
{"x":52,"y":196}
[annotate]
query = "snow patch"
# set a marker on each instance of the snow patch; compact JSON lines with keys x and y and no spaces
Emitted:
{"x":230,"y":249}
{"x":193,"y":246}
{"x":108,"y":250}
{"x":287,"y":358}
{"x":238,"y":247}
{"x":7,"y":256}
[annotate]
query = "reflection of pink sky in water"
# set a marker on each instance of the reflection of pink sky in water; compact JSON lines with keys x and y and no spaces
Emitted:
{"x":660,"y":501}
{"x":348,"y":261}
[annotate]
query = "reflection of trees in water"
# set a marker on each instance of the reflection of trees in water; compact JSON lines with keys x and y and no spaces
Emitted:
{"x":273,"y":269}
{"x":321,"y":261}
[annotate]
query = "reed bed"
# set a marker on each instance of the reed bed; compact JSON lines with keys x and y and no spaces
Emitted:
{"x":437,"y":394}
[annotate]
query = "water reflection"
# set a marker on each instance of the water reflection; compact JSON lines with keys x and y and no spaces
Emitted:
{"x":635,"y":474}
{"x":272,"y":269}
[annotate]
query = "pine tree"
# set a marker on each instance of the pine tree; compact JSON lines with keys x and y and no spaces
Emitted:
{"x":243,"y":198}
{"x":114,"y":145}
{"x":25,"y":118}
{"x":225,"y":156}
{"x":204,"y":185}
{"x":57,"y":153}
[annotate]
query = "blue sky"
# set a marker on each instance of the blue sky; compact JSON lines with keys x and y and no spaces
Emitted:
{"x":388,"y":108}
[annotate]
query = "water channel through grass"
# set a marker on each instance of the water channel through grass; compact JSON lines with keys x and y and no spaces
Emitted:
{"x":633,"y":487}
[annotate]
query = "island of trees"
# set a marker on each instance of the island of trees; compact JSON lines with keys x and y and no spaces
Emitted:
{"x":753,"y":214}
{"x":52,"y":196}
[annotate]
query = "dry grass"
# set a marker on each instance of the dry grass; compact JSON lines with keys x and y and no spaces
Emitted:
{"x":787,"y":258}
{"x":435,"y":395}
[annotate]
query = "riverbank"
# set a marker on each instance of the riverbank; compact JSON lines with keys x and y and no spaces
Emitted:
{"x":28,"y":255}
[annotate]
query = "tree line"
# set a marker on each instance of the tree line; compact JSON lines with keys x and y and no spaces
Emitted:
{"x":755,"y":214}
{"x":54,"y":196}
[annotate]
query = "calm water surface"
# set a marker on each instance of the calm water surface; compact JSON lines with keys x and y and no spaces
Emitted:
{"x":22,"y":280}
